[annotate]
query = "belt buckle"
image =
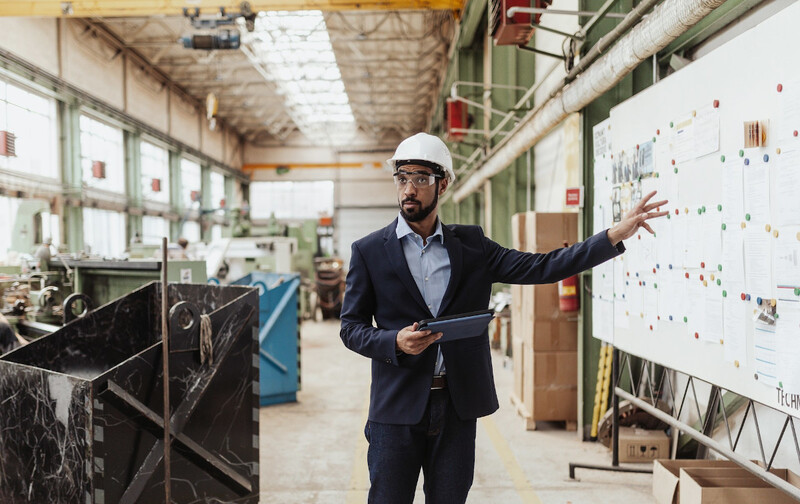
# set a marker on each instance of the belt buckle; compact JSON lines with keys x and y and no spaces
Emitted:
{"x":442,"y":379}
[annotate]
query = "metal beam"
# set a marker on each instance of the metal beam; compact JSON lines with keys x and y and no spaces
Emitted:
{"x":127,"y":8}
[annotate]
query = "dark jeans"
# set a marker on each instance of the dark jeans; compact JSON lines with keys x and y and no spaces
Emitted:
{"x":441,"y":444}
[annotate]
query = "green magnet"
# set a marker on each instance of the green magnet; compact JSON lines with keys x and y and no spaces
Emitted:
{"x":724,"y":293}
{"x":747,"y":217}
{"x":741,"y":153}
{"x":724,"y":227}
{"x":719,"y":208}
{"x":670,"y":124}
{"x":685,"y":319}
{"x":719,"y":282}
{"x":676,"y":170}
{"x":722,"y":158}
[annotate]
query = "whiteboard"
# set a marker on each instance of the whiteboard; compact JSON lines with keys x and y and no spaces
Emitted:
{"x":688,"y":297}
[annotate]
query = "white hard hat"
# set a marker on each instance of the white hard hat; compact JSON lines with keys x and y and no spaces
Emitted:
{"x":426,"y":148}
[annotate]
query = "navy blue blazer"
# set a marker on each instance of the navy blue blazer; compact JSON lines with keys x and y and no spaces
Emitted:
{"x":380,"y":287}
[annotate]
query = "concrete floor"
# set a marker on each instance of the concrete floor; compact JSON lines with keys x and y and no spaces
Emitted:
{"x":314,"y":451}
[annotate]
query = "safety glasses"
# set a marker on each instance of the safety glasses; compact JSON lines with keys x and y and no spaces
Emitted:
{"x":420,"y":180}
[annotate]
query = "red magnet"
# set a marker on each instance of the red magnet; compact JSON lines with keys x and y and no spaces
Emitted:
{"x":702,"y":265}
{"x":701,"y":278}
{"x":743,"y":296}
{"x":654,"y":270}
{"x":780,"y":87}
{"x":658,"y":132}
{"x":687,"y":275}
{"x":716,"y":103}
{"x":696,"y":336}
{"x":673,"y":161}
{"x":651,"y":327}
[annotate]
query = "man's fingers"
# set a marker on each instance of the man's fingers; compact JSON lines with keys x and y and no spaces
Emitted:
{"x":647,"y":227}
{"x":657,"y":204}
{"x":643,"y":201}
{"x":653,"y":215}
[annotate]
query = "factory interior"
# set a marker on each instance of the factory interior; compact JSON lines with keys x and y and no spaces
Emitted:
{"x":212,"y":180}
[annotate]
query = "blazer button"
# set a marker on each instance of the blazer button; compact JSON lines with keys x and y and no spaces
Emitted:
{"x":388,"y":361}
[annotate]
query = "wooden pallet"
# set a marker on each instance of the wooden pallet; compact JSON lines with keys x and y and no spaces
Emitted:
{"x":530,"y":424}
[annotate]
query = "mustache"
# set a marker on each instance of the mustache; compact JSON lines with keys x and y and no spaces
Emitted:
{"x":410,"y":200}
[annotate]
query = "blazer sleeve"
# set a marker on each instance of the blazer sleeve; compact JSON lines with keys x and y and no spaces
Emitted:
{"x":358,"y":309}
{"x":515,"y":267}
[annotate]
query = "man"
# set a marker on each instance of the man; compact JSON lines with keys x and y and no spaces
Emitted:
{"x":9,"y":340}
{"x":425,"y":397}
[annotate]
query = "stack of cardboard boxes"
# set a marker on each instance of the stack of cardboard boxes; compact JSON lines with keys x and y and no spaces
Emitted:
{"x":544,"y":339}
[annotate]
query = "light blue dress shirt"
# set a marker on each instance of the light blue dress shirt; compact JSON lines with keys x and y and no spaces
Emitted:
{"x":429,"y":265}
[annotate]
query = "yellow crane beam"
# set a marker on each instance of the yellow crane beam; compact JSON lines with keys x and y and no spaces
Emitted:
{"x":147,"y":8}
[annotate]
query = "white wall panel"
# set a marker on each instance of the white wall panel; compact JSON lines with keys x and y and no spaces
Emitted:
{"x":146,"y":98}
{"x":354,"y":223}
{"x":92,"y":65}
{"x":184,"y":122}
{"x":34,"y":39}
{"x":211,"y":141}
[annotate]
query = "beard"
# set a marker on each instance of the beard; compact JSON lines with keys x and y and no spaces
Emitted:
{"x":423,"y":211}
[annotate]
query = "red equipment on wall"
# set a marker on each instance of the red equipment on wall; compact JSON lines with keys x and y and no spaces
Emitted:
{"x":568,"y":299}
{"x":456,"y":119}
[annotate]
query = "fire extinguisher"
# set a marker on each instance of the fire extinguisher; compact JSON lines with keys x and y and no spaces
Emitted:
{"x":568,"y":300}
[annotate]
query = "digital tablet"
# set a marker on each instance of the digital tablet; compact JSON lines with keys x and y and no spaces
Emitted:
{"x":455,"y":327}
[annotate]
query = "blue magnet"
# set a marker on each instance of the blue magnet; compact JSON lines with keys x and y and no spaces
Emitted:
{"x":644,"y":283}
{"x":747,"y":297}
{"x":670,"y":317}
{"x":623,"y":296}
{"x":766,"y":158}
{"x":758,"y":300}
{"x":626,"y":282}
{"x":658,"y":266}
{"x":637,"y":275}
{"x":746,"y":162}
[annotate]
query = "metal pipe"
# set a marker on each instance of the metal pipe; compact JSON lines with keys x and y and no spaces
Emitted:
{"x":668,"y":21}
{"x":757,"y":471}
{"x":165,"y":359}
{"x":540,"y":10}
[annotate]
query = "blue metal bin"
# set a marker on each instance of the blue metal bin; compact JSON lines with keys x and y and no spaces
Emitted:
{"x":278,"y":335}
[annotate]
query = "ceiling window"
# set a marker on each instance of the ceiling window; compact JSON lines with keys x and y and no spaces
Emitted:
{"x":293,"y":50}
{"x":154,"y":229}
{"x":291,"y":200}
{"x":103,"y":232}
{"x":31,"y":118}
{"x":191,"y":182}
{"x":155,"y":172}
{"x":217,"y":189}
{"x":102,"y":155}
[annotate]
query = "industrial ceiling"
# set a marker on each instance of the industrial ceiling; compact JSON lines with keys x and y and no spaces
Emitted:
{"x":390,"y":60}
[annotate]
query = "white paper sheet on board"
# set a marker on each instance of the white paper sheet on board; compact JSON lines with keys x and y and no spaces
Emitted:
{"x":706,"y":131}
{"x":695,"y":309}
{"x":619,"y":277}
{"x":603,"y":281}
{"x":733,"y":257}
{"x":756,"y":192}
{"x":651,"y":308}
{"x":712,"y":237}
{"x":765,"y":353}
{"x":787,"y":188}
{"x":695,"y":238}
{"x":621,"y":314}
{"x":680,"y":235}
{"x":758,"y":262}
{"x":682,"y":140}
{"x":787,"y":330}
{"x":672,"y":296}
{"x":790,"y":109}
{"x":713,"y":312}
{"x":733,"y":192}
{"x":601,"y":138}
{"x":786,"y":262}
{"x":603,"y":320}
{"x":735,"y":338}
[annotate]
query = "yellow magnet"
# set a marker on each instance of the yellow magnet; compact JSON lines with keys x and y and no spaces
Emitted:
{"x":775,"y":233}
{"x":736,"y":363}
{"x":768,"y":228}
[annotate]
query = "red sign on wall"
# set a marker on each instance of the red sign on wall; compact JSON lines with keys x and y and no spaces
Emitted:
{"x":575,"y":197}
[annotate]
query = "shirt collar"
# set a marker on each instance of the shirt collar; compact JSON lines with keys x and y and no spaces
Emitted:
{"x":403,"y":229}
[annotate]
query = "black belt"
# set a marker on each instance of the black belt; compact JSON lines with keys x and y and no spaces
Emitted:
{"x":439,"y":382}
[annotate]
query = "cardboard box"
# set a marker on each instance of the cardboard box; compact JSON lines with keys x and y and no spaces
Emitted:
{"x":517,"y":350}
{"x":666,"y":475}
{"x":554,"y":403}
{"x":555,"y":335}
{"x":555,"y":368}
{"x":550,"y":390}
{"x":547,"y":231}
{"x":732,"y":485}
{"x":518,"y":231}
{"x":640,"y":445}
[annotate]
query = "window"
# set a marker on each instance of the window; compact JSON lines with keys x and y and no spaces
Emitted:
{"x":291,"y":200}
{"x":32,"y":118}
{"x":8,"y":208}
{"x":191,"y":182}
{"x":102,"y":155}
{"x":217,"y":189}
{"x":103,"y":232}
{"x":216,"y":232}
{"x":155,"y":172}
{"x":154,"y":229}
{"x":191,"y":231}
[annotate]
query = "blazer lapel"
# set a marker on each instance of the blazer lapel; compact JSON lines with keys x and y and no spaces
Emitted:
{"x":397,"y":258}
{"x":453,"y":245}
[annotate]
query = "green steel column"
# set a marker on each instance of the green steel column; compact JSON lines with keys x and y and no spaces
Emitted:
{"x":229,"y":204}
{"x":133,"y":172}
{"x":175,"y":192}
{"x":205,"y":203}
{"x":71,"y":174}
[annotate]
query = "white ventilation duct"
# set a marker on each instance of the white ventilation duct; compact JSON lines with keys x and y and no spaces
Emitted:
{"x":662,"y":26}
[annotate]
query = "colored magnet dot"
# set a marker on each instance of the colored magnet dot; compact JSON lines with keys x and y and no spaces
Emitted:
{"x":654,"y":139}
{"x":722,"y":158}
{"x":712,"y":277}
{"x":701,"y":278}
{"x":685,"y":319}
{"x":627,"y":282}
{"x":780,"y":87}
{"x":724,"y":293}
{"x":637,"y":275}
{"x":702,"y":265}
{"x":777,"y":315}
{"x":724,"y":227}
{"x":673,"y":162}
{"x":640,"y":283}
{"x":719,"y":282}
{"x":637,"y":146}
{"x":670,"y":266}
{"x":668,"y":216}
{"x":721,"y":341}
{"x":639,"y":237}
{"x":767,"y":228}
{"x":694,"y":113}
{"x":766,"y":158}
{"x":676,"y":211}
{"x":670,"y":124}
{"x":687,"y":275}
{"x":627,"y":273}
{"x":641,"y":315}
{"x":655,"y":286}
{"x":719,"y":267}
{"x":670,"y":317}
{"x":658,"y":132}
{"x":775,"y":233}
{"x":719,"y":208}
{"x":716,"y":103}
{"x":794,"y":133}
{"x":654,"y":270}
{"x":705,"y":283}
{"x":758,"y":301}
{"x":686,"y":210}
{"x":699,"y":211}
{"x":747,"y":297}
{"x":696,"y":336}
{"x":703,"y":208}
{"x":626,"y":313}
{"x":644,"y":283}
{"x":651,"y":327}
{"x":741,"y":153}
{"x":797,"y":291}
{"x":744,"y":225}
{"x":658,"y":266}
{"x":744,"y":296}
{"x":747,"y":217}
{"x":778,"y":150}
{"x":736,"y":363}
{"x":675,"y":170}
{"x":747,"y":161}
{"x":773,"y":302}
